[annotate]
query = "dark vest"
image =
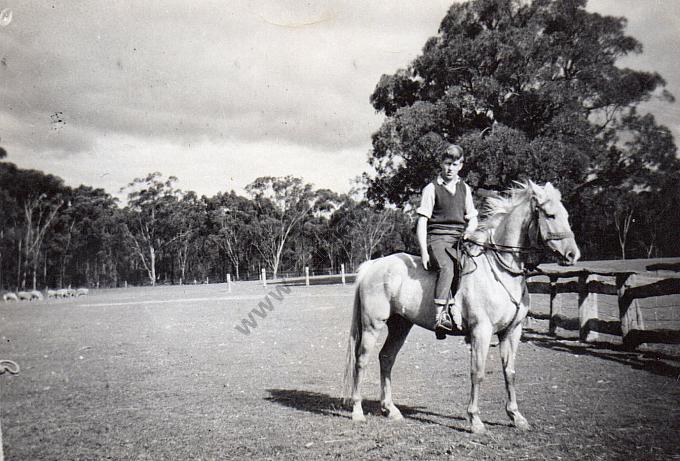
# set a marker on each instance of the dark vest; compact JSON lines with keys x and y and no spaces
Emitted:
{"x":448,"y":214}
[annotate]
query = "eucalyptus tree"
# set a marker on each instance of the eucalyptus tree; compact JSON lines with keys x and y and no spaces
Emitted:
{"x":187,"y":220}
{"x":531,"y":90}
{"x":151,"y":223}
{"x":281,"y":205}
{"x":83,"y":241}
{"x":230,"y":219}
{"x":33,"y":199}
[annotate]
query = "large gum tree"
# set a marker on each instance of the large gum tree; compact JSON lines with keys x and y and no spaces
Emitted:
{"x":532,"y":90}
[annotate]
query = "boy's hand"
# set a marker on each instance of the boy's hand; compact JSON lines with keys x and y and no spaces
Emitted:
{"x":425,"y":257}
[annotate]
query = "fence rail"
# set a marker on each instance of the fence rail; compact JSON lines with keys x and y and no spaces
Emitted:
{"x":591,"y":292}
{"x":591,"y":301}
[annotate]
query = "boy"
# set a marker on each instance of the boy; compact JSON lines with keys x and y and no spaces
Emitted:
{"x":446,"y":214}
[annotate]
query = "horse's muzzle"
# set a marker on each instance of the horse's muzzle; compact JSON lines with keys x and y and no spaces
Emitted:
{"x":570,"y":256}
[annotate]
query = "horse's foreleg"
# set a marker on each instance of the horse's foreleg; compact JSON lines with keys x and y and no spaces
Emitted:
{"x":369,"y":336}
{"x":480,"y":338}
{"x":398,"y":330}
{"x":508,"y":346}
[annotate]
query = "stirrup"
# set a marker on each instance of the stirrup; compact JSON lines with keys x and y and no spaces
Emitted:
{"x":444,"y":322}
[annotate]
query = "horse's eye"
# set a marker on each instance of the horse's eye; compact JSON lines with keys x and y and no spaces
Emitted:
{"x":548,"y":214}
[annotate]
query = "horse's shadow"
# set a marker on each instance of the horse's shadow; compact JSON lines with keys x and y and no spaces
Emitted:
{"x":327,"y":405}
{"x":653,"y":362}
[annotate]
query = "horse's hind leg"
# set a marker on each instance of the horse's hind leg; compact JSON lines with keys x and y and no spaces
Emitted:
{"x":398,"y":329}
{"x":369,"y":336}
{"x":509,"y":344}
{"x":480,"y":338}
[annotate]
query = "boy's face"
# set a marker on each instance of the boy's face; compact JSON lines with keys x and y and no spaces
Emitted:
{"x":450,"y":168}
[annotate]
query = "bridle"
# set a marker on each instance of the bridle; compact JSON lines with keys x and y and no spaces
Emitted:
{"x":539,"y":234}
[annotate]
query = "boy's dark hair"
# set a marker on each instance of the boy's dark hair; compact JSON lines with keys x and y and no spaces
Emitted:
{"x":452,"y":151}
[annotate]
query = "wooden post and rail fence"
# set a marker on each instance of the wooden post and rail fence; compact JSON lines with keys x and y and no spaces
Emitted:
{"x":602,"y":303}
{"x":608,"y":301}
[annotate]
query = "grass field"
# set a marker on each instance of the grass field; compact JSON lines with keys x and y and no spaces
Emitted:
{"x":162,"y":373}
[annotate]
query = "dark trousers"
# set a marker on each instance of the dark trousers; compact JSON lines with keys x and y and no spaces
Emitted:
{"x":442,"y":249}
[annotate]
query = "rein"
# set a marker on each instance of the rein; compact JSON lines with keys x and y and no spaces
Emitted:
{"x":538,"y":231}
{"x":539,"y":227}
{"x":497,"y":249}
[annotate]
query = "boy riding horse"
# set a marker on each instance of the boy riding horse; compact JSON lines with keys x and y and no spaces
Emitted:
{"x":446,"y":214}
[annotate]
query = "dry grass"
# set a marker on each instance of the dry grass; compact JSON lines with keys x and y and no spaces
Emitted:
{"x":162,"y":374}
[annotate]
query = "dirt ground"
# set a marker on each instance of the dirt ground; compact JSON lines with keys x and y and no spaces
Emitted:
{"x":162,"y":373}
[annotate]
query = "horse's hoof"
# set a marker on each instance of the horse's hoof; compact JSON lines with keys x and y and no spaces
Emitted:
{"x":358,"y":418}
{"x":522,"y":424}
{"x":395,"y":416}
{"x":477,"y":427}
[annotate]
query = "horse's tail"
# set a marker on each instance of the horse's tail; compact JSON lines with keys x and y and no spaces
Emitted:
{"x":354,"y":341}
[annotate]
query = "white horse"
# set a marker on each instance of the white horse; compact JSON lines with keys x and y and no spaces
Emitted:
{"x":396,"y":291}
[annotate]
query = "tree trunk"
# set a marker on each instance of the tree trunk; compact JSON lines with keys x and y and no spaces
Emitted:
{"x":277,"y":260}
{"x":45,"y":271}
{"x":152,"y":264}
{"x":24,"y":274}
{"x":19,"y":264}
{"x":172,"y":268}
{"x":622,"y":227}
{"x":62,"y":270}
{"x":35,"y":263}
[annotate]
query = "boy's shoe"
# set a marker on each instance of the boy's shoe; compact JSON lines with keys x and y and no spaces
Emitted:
{"x":449,"y":322}
{"x":444,"y":324}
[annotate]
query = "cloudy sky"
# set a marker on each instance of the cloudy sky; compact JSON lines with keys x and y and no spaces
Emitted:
{"x":218,"y":93}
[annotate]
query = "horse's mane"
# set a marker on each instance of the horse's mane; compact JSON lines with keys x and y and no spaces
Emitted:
{"x":496,"y":208}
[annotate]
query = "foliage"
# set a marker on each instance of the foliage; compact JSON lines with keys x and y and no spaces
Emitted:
{"x":282,"y":204}
{"x":154,"y":218}
{"x":531,"y":90}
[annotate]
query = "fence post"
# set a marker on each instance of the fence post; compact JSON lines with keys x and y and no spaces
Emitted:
{"x":342,"y":272}
{"x":13,"y":368}
{"x":588,"y":307}
{"x":264,"y":278}
{"x":126,"y":284}
{"x":306,"y":275}
{"x":554,"y":308}
{"x":629,"y":312}
{"x":229,"y":283}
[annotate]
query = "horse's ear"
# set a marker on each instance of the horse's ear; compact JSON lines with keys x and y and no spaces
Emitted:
{"x":552,"y":191}
{"x":537,"y":191}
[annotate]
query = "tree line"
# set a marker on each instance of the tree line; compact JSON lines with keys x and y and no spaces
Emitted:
{"x":53,"y":235}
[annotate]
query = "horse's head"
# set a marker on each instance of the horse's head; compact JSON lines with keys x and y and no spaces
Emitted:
{"x":553,"y":222}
